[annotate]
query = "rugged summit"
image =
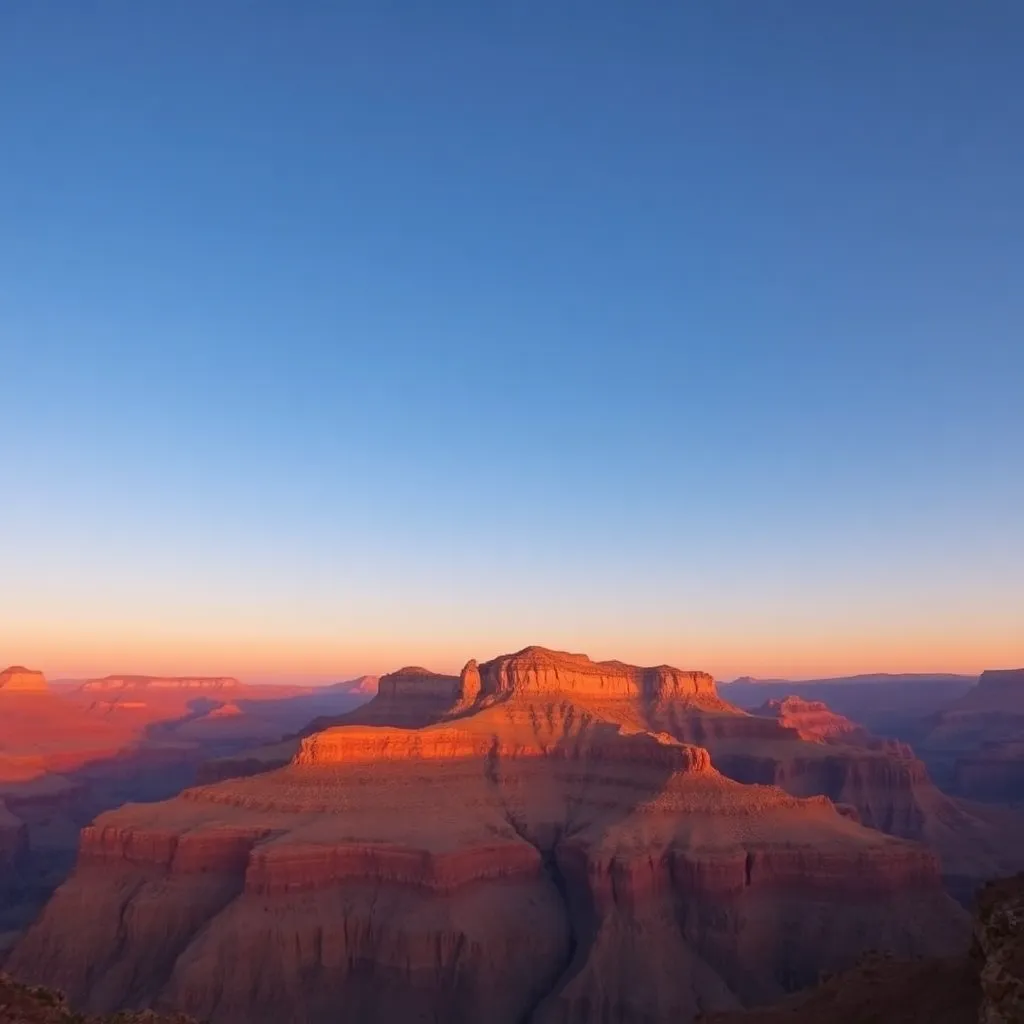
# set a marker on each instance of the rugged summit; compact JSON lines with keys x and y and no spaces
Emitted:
{"x":18,"y":679}
{"x":546,"y":850}
{"x":536,"y":670}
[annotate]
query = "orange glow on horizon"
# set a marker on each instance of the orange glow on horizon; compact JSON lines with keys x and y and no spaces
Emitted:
{"x":322,"y":659}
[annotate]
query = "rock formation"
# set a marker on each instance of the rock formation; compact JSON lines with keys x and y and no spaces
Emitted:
{"x":366,"y":685}
{"x":999,"y":948}
{"x":812,"y":720}
{"x":192,"y":683}
{"x":884,"y":704}
{"x":976,"y":743}
{"x":70,"y":753}
{"x":537,"y":671}
{"x":24,"y":1004}
{"x":17,"y":679}
{"x":985,"y":985}
{"x":540,"y":851}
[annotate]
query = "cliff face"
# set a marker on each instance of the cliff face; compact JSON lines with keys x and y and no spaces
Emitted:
{"x":812,"y":720}
{"x":66,"y":755}
{"x":536,"y":670}
{"x":982,"y":986}
{"x":17,"y":679}
{"x":880,"y":782}
{"x":537,"y":855}
{"x":995,"y":772}
{"x":976,"y":743}
{"x":999,"y":949}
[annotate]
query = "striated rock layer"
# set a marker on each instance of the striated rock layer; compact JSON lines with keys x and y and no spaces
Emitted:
{"x":982,"y":986}
{"x":540,"y":852}
{"x":17,"y":679}
{"x":194,"y":683}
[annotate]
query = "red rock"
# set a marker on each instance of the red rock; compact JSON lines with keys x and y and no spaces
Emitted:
{"x":22,"y":680}
{"x":983,"y":986}
{"x":535,"y":853}
{"x":191,"y":683}
{"x":811,"y":720}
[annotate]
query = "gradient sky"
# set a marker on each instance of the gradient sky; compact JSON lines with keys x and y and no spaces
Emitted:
{"x":336,"y":335}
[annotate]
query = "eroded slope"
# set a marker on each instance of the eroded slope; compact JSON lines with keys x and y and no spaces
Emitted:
{"x":536,"y":853}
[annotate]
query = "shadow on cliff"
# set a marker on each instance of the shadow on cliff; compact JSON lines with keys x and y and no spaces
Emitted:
{"x":161,"y":761}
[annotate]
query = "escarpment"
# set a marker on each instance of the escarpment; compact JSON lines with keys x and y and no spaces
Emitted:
{"x":198,"y":684}
{"x":976,"y":743}
{"x":538,"y":852}
{"x":17,"y":679}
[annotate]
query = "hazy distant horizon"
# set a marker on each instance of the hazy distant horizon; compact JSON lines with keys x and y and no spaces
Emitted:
{"x":323,"y":679}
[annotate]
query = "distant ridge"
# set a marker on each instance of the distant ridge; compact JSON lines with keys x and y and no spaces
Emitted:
{"x":866,"y":677}
{"x":161,"y":683}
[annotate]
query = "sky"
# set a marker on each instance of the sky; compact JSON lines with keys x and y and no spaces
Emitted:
{"x":337,"y":336}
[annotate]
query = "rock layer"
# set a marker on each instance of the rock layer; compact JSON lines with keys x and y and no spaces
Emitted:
{"x":17,"y":679}
{"x":192,"y":683}
{"x":536,"y":671}
{"x":537,"y":854}
{"x":982,"y":986}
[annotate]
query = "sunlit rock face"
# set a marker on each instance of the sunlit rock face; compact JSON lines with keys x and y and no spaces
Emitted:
{"x":812,"y":720}
{"x":527,"y":841}
{"x":17,"y":679}
{"x":536,"y":670}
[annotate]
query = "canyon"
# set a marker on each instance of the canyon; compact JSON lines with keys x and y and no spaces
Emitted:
{"x":540,"y":837}
{"x":976,"y":743}
{"x":69,"y":752}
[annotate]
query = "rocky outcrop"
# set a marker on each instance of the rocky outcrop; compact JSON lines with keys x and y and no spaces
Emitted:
{"x":412,"y":696}
{"x":536,"y":671}
{"x":999,"y":690}
{"x":18,"y":679}
{"x":536,"y":854}
{"x":24,"y":1004}
{"x":999,"y":946}
{"x":190,"y":683}
{"x":883,"y":704}
{"x":982,"y":986}
{"x":812,"y":720}
{"x":470,"y":685}
{"x":360,"y":685}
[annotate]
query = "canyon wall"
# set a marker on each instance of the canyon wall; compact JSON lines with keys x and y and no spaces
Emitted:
{"x":540,"y":856}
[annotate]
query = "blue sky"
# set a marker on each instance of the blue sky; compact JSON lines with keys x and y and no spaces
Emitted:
{"x":340,"y":335}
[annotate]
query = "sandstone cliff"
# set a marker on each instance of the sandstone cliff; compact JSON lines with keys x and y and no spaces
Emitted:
{"x":540,"y":852}
{"x":17,"y":679}
{"x":812,"y":720}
